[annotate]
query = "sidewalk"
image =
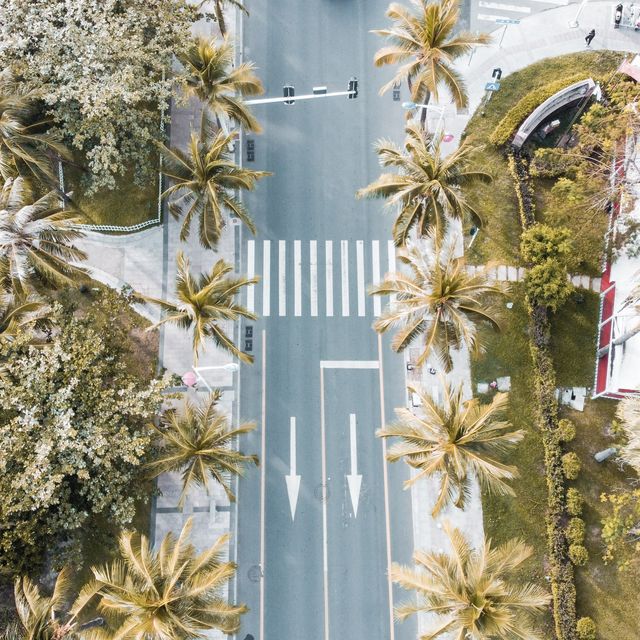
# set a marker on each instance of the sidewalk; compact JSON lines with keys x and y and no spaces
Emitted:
{"x":540,"y":36}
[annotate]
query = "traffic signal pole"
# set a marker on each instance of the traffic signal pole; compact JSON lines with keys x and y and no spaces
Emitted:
{"x":351,"y":92}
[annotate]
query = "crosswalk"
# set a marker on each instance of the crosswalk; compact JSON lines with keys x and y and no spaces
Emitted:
{"x":487,"y":15}
{"x":312,"y":278}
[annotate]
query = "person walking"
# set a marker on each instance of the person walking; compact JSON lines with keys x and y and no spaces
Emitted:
{"x":590,"y":36}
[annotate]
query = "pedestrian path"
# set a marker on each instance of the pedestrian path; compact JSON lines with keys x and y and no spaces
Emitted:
{"x":316,"y":278}
{"x":509,"y":273}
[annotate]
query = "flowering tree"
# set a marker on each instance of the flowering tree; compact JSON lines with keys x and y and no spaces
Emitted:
{"x":73,"y":431}
{"x":98,"y":67}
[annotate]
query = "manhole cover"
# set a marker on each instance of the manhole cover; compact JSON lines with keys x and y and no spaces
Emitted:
{"x":321,"y":492}
{"x":255,"y":573}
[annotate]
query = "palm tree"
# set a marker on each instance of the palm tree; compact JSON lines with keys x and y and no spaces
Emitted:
{"x":209,"y":75}
{"x":629,"y":415}
{"x":25,"y":146}
{"x":204,"y":179}
{"x":169,"y":593}
{"x":424,"y":44}
{"x":438,"y":299}
{"x":427,"y":185}
{"x":200,"y":443}
{"x":50,"y":617}
{"x":203,"y":302}
{"x":472,"y":591}
{"x":36,"y":238}
{"x":457,"y":441}
{"x":19,"y":311}
{"x":219,"y":6}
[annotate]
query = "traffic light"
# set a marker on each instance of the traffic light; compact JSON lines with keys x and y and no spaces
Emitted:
{"x":353,"y":88}
{"x":288,"y":91}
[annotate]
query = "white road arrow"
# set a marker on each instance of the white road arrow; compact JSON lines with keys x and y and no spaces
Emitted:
{"x":354,"y":480}
{"x":293,"y":480}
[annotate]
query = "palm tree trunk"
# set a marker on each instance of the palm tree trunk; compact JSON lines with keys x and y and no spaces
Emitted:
{"x":618,"y":341}
{"x":220,"y":17}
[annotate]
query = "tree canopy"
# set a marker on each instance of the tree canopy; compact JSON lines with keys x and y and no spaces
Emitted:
{"x":63,"y":405}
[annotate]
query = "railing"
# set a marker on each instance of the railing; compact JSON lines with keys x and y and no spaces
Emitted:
{"x":140,"y":225}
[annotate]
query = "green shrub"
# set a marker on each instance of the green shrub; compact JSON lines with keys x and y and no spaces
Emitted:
{"x":574,"y":502}
{"x":507,"y":127}
{"x":576,"y":531}
{"x":586,"y":629}
{"x":566,"y":431}
{"x":542,"y":242}
{"x":546,"y":284}
{"x":571,"y":465}
{"x":578,"y":554}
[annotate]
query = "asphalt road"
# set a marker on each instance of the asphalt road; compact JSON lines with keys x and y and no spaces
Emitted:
{"x":322,"y":381}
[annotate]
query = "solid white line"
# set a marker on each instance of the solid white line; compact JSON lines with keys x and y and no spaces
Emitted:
{"x":353,"y":443}
{"x":313,"y":276}
{"x":251,"y":272}
{"x":266,"y":278}
{"x":360,"y":272}
{"x":282,"y":278}
{"x":385,"y":483}
{"x":292,"y":446}
{"x":344,"y":264}
{"x":491,"y":17}
{"x":349,"y":364}
{"x":263,"y":479}
{"x":297,"y":278}
{"x":559,"y":3}
{"x":328,"y":247}
{"x":391,"y":250}
{"x":375,"y":258}
{"x":325,"y":546}
{"x":516,"y":8}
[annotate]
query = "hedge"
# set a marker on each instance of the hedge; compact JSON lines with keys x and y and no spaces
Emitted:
{"x":560,"y":565}
{"x":576,"y":531}
{"x":508,"y":126}
{"x":574,"y":502}
{"x":571,"y":465}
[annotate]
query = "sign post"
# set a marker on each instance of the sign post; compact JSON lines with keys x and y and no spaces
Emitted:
{"x":506,"y":22}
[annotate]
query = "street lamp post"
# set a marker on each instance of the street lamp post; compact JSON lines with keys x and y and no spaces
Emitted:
{"x":574,"y":24}
{"x":412,"y":106}
{"x":229,"y":366}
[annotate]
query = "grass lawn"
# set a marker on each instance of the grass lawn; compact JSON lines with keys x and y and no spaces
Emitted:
{"x":126,"y":205}
{"x":499,"y":237}
{"x":604,"y":593}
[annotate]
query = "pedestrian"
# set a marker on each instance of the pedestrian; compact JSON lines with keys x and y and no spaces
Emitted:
{"x":590,"y":36}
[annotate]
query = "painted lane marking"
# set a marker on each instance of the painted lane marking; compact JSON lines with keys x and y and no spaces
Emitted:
{"x":325,"y":546}
{"x":491,"y":17}
{"x":293,"y":479}
{"x":266,"y":278}
{"x":375,"y":259}
{"x":515,"y":8}
{"x":282,"y":278}
{"x":313,"y":277}
{"x":385,"y":483}
{"x":349,"y":364}
{"x":263,"y":479}
{"x":360,"y":277}
{"x":344,"y":263}
{"x":251,"y":272}
{"x":354,"y":479}
{"x":297,"y":278}
{"x":328,"y":246}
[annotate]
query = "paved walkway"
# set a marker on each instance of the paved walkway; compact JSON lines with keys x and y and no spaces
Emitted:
{"x":509,"y":273}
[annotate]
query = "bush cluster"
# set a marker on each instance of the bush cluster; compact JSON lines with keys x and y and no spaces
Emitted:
{"x":586,"y":629}
{"x":576,"y":531}
{"x":571,"y":465}
{"x":578,"y":554}
{"x":574,"y":502}
{"x":566,"y":430}
{"x":507,"y":127}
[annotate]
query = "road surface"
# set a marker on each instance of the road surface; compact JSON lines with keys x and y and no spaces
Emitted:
{"x":319,"y":522}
